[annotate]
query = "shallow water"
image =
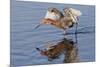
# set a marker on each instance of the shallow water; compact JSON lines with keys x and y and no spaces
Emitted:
{"x":24,"y":38}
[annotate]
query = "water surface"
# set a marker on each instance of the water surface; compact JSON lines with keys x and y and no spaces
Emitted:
{"x":25,"y":39}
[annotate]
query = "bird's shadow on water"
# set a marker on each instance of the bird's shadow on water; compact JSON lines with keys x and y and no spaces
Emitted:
{"x":65,"y":46}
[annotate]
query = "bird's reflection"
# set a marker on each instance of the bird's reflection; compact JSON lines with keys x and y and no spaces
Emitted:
{"x":66,"y":47}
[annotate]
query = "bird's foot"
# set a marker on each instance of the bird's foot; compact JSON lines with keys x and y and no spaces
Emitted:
{"x":65,"y":33}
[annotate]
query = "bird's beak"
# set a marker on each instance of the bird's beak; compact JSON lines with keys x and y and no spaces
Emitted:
{"x":37,"y":26}
{"x":43,"y":21}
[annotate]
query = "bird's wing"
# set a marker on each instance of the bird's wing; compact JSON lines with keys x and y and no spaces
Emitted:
{"x":75,"y":12}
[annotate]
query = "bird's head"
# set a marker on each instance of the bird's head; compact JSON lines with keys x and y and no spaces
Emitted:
{"x":53,"y":14}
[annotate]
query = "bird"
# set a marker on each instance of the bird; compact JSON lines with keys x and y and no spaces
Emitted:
{"x":62,"y":20}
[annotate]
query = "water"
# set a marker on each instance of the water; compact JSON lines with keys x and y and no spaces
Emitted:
{"x":24,"y":38}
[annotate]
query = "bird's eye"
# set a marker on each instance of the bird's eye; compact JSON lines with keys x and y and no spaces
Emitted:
{"x":52,"y":10}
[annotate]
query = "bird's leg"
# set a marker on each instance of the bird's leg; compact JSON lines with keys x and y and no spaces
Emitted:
{"x":64,"y":32}
{"x":76,"y":32}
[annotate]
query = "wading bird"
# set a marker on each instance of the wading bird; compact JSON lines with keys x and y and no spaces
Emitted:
{"x":64,"y":20}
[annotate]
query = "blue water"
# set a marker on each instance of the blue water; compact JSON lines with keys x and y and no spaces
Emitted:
{"x":24,"y":38}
